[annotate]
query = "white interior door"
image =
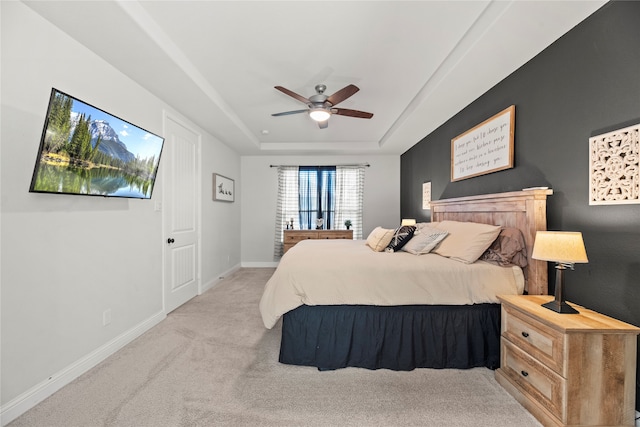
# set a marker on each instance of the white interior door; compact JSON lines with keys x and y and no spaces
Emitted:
{"x":180,"y":214}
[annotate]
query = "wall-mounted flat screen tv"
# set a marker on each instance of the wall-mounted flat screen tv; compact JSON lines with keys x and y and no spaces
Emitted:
{"x":85,"y":150}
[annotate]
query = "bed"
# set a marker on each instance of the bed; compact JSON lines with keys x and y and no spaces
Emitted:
{"x":335,"y":316}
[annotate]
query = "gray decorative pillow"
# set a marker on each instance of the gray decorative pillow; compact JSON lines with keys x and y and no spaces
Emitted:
{"x":425,"y":241}
{"x":508,"y":249}
{"x":401,"y":236}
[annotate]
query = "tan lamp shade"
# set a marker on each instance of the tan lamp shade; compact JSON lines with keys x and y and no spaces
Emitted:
{"x":408,"y":221}
{"x":559,"y":246}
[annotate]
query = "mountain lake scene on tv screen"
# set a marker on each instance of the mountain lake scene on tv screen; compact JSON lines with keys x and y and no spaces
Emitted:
{"x":87,"y":151}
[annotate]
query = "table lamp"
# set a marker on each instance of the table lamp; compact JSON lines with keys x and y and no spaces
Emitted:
{"x":565,"y":248}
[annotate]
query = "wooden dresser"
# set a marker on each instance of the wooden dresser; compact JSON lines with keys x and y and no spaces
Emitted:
{"x":568,"y":369}
{"x":291,"y":237}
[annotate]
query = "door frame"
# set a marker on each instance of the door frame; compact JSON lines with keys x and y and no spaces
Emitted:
{"x":166,"y":116}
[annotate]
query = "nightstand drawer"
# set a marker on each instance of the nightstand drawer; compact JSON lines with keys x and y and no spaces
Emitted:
{"x":567,"y":369}
{"x":533,"y":378}
{"x":542,"y":342}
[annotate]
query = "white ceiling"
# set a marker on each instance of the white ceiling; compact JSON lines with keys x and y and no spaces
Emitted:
{"x":417,"y":63}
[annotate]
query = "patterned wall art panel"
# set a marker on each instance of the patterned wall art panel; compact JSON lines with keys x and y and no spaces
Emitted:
{"x":614,"y":167}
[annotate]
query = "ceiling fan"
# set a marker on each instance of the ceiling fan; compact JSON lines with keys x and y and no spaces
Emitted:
{"x":321,"y":106}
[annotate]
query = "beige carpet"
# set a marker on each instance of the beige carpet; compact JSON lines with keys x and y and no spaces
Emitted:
{"x":212,"y":363}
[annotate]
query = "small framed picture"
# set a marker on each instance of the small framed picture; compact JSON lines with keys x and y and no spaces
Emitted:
{"x":223,"y":188}
{"x":426,"y":195}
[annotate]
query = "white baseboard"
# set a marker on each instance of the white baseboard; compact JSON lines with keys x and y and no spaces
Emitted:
{"x":214,"y":282}
{"x":27,"y":400}
{"x":272,"y":264}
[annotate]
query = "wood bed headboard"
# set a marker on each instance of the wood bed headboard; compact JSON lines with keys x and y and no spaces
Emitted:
{"x":525,"y":210}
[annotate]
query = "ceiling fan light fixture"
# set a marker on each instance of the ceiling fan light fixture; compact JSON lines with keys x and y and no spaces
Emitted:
{"x":319,"y":114}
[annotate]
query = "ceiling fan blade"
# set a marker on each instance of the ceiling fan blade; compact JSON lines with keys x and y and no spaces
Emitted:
{"x":293,"y":94}
{"x":342,"y":94}
{"x":323,"y":125}
{"x":286,"y":113}
{"x":351,"y":113}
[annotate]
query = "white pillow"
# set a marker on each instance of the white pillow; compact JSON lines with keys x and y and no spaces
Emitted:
{"x":380,"y":238}
{"x":425,"y":241}
{"x":466,"y":241}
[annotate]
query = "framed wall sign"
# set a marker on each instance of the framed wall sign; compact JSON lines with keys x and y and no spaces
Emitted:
{"x":485,"y":148}
{"x":223,"y":188}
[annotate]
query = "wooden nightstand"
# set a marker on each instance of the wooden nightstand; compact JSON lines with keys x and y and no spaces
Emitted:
{"x":291,"y":237}
{"x":568,"y":369}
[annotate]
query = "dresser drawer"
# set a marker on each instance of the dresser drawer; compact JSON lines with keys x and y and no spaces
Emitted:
{"x":294,"y":237}
{"x":541,"y":341}
{"x":533,"y":378}
{"x":335,"y":234}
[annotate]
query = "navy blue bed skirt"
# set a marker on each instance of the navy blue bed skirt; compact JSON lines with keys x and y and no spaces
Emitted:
{"x":400,"y":338}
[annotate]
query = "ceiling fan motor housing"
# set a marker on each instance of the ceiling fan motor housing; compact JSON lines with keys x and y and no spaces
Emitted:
{"x":318,"y":100}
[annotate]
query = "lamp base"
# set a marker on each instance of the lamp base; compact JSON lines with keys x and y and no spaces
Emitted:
{"x":560,"y":307}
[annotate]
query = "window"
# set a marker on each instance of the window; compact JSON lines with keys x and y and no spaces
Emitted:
{"x":316,"y":196}
{"x":304,"y":193}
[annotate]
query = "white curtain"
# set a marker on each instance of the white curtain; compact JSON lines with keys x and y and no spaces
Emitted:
{"x":348,"y":201}
{"x":287,"y":207}
{"x":349,"y":191}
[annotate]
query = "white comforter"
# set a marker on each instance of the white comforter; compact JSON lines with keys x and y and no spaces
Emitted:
{"x":333,"y":272}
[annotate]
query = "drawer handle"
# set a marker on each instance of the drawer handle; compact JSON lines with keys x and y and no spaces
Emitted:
{"x":525,"y":334}
{"x":524,"y":373}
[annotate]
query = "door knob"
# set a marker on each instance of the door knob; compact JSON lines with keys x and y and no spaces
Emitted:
{"x":170,"y":240}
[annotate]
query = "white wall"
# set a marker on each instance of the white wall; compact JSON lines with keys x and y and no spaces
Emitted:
{"x":260,"y":189}
{"x":220,"y":220}
{"x":66,"y":259}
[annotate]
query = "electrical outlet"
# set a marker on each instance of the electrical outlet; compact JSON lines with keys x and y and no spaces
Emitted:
{"x":157,"y":206}
{"x":106,"y":317}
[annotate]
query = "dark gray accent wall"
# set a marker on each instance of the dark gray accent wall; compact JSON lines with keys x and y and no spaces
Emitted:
{"x":584,"y":84}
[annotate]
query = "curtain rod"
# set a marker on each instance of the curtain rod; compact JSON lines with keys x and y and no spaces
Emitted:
{"x":277,"y":166}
